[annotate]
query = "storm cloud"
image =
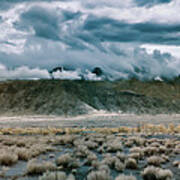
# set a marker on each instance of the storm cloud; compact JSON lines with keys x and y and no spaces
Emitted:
{"x":82,"y":35}
{"x":151,"y":2}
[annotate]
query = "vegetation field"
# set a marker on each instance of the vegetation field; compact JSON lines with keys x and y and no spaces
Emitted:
{"x":142,"y":153}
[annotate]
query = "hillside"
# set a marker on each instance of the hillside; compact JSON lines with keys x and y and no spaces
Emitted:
{"x":63,"y":97}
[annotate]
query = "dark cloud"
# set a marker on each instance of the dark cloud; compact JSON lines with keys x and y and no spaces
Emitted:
{"x":93,"y":31}
{"x":154,"y":28}
{"x":68,"y":15}
{"x":149,"y":3}
{"x":41,"y":35}
{"x":48,"y":24}
{"x":44,"y":22}
{"x":106,"y":29}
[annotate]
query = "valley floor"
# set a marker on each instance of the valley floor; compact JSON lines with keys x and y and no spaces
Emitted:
{"x":99,"y":119}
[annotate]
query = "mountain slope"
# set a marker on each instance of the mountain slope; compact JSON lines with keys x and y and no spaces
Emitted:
{"x":60,"y":97}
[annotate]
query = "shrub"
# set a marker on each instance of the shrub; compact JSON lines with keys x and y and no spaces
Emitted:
{"x":64,"y":160}
{"x":91,"y":144}
{"x":90,"y":158}
{"x":113,"y":146}
{"x":155,"y":160}
{"x":125,"y":177}
{"x":176,"y":163}
{"x":164,"y":174}
{"x":56,"y":176}
{"x":153,"y":173}
{"x":138,"y":150}
{"x":99,"y":175}
{"x":119,"y":166}
{"x":34,"y":167}
{"x":109,"y":160}
{"x":149,"y":151}
{"x":8,"y":158}
{"x":131,"y":163}
{"x":67,"y":161}
{"x":135,"y":156}
{"x":103,"y":167}
{"x":121,"y":156}
{"x":23,"y":154}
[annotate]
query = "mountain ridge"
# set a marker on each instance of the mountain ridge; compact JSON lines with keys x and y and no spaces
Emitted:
{"x":72,"y":98}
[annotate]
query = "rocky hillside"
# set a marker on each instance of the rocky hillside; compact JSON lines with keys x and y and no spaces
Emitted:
{"x":60,"y":97}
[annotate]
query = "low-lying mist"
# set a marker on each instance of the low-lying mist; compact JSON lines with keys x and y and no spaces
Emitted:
{"x":137,"y":64}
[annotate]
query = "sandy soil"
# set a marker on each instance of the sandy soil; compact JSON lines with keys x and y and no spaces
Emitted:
{"x":99,"y":119}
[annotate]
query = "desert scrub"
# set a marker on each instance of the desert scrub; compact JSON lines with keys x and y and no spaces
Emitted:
{"x":136,"y":156}
{"x":149,"y":151}
{"x":125,"y":177}
{"x":103,"y":167}
{"x":137,"y":150}
{"x":82,"y":151}
{"x":34,"y":167}
{"x":121,"y":156}
{"x":64,"y":140}
{"x":119,"y":166}
{"x":155,"y":173}
{"x":8,"y":158}
{"x":91,"y":145}
{"x":99,"y":175}
{"x":23,"y":154}
{"x":176,"y":163}
{"x":90,"y":158}
{"x":155,"y":160}
{"x":109,"y":160}
{"x":138,"y":141}
{"x":56,"y":176}
{"x":67,"y":161}
{"x":114,"y":146}
{"x":131,"y":163}
{"x":37,"y":149}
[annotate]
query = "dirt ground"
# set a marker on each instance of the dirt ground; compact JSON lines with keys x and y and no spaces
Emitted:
{"x":99,"y":119}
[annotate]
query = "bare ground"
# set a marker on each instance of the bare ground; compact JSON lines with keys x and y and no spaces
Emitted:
{"x":100,"y":119}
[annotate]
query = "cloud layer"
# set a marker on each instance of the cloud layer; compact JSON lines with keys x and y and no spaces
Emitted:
{"x":125,"y":38}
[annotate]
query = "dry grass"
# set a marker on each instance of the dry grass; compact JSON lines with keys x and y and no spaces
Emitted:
{"x":34,"y":167}
{"x":152,"y":172}
{"x":121,"y":156}
{"x":125,"y":177}
{"x":8,"y":158}
{"x":84,"y":148}
{"x":131,"y":163}
{"x":144,"y":128}
{"x":109,"y":160}
{"x":64,"y":160}
{"x":99,"y":175}
{"x":90,"y":158}
{"x":67,"y":161}
{"x":176,"y":163}
{"x":56,"y":176}
{"x":23,"y":154}
{"x":155,"y":160}
{"x":119,"y":166}
{"x":114,"y":146}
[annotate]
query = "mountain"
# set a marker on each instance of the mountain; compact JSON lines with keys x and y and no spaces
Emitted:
{"x":67,"y":97}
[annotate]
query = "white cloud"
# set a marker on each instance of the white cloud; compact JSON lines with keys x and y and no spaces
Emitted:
{"x":72,"y":75}
{"x":173,"y":50}
{"x":22,"y":46}
{"x":22,"y":72}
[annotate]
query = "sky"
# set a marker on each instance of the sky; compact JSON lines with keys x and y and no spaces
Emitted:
{"x":131,"y":38}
